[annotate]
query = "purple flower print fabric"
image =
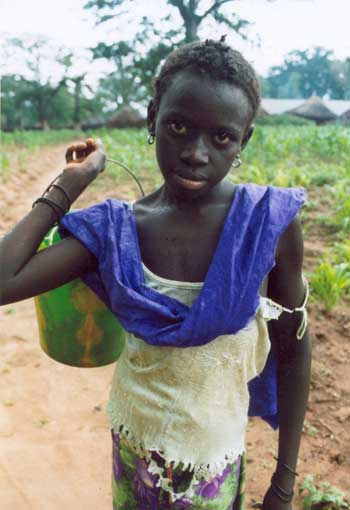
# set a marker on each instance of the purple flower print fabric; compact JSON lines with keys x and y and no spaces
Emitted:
{"x":135,"y":488}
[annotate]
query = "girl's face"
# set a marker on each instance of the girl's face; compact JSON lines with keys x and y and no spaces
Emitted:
{"x":200,"y":126}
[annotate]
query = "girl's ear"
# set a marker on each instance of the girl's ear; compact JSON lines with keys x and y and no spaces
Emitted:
{"x":247,"y":136}
{"x":151,"y":117}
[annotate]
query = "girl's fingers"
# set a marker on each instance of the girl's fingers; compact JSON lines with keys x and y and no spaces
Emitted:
{"x":69,"y":153}
{"x":78,"y":152}
{"x":91,"y":144}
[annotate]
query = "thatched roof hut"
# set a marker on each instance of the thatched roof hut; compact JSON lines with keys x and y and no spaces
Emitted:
{"x":93,"y":123}
{"x":314,"y":109}
{"x":261,"y":112}
{"x":126,"y":117}
{"x":345,"y":117}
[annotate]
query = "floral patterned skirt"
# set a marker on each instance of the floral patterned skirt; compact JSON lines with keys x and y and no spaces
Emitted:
{"x":135,"y":488}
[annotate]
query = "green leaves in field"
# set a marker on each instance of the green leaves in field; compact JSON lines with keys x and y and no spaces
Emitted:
{"x":4,"y":165}
{"x":324,"y":497}
{"x":295,"y":151}
{"x":342,"y":199}
{"x":330,"y":282}
{"x":33,"y":139}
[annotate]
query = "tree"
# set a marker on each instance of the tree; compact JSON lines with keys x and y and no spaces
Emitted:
{"x":146,"y":63}
{"x":193,"y":18}
{"x":120,"y":86}
{"x":16,"y":111}
{"x":79,"y":86}
{"x":38,"y":86}
{"x":51,"y":88}
{"x":309,"y":72}
{"x":138,"y":61}
{"x":341,"y":72}
{"x":192,"y":12}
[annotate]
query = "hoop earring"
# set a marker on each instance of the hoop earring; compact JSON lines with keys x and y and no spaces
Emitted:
{"x":237,"y":161}
{"x":151,"y":138}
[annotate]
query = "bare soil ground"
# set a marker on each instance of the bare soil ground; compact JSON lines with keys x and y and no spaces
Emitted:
{"x":54,"y":435}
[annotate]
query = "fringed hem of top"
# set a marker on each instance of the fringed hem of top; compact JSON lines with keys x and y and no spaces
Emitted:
{"x":205,"y":470}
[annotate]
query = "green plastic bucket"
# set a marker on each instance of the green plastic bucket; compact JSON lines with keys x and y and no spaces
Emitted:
{"x":75,"y":326}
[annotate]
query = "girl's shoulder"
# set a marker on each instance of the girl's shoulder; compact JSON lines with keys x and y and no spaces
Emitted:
{"x":277,"y":205}
{"x":95,"y":224}
{"x":258,"y":191}
{"x":106,"y":209}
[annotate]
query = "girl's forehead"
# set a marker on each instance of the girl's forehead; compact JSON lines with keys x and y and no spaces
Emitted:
{"x":205,"y":98}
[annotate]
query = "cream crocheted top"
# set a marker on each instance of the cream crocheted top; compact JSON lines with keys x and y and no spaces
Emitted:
{"x":190,"y":405}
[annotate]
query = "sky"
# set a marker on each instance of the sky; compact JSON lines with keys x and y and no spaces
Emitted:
{"x":278,"y":26}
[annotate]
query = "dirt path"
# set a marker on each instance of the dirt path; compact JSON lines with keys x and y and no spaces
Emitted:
{"x":54,"y":436}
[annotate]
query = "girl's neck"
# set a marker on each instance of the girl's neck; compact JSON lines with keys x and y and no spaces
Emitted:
{"x":221,"y":193}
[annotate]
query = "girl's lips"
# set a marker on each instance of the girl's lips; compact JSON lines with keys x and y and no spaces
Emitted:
{"x":188,"y":184}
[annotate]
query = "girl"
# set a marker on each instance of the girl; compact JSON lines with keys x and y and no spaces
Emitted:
{"x":193,"y":271}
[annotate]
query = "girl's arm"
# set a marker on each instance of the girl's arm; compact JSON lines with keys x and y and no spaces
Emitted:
{"x":287,"y":288}
{"x":24,"y":272}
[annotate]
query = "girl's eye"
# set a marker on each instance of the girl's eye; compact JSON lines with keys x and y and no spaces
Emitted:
{"x":222,"y":138}
{"x":178,"y":128}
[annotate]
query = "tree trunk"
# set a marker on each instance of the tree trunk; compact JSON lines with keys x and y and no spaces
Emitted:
{"x":191,"y":19}
{"x":77,"y":109}
{"x":45,"y":126}
{"x":42,"y":111}
{"x":191,"y":27}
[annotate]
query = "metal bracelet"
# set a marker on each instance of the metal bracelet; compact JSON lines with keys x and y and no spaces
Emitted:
{"x":288,"y":468}
{"x":66,"y":194}
{"x":281,"y":493}
{"x":59,"y":211}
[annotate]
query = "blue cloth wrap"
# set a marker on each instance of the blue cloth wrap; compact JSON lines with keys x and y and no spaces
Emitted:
{"x":229,"y":297}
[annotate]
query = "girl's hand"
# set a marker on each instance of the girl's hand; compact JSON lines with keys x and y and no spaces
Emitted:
{"x":273,"y":502}
{"x":88,"y":155}
{"x":85,"y":161}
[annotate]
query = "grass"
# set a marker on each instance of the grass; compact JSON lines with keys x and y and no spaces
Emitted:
{"x":33,"y":139}
{"x":4,"y":164}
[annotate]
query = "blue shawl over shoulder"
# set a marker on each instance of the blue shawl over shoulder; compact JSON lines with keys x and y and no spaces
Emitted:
{"x":229,"y":297}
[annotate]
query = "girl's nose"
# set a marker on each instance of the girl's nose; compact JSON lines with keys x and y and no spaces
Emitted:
{"x":196,"y":152}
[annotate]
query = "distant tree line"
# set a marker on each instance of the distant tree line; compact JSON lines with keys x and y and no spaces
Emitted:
{"x":309,"y":72}
{"x":33,"y":98}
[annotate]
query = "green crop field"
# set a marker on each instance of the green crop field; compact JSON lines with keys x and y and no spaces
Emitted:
{"x":317,"y":158}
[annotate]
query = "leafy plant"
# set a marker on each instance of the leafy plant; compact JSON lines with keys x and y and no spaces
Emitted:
{"x":342,"y":252}
{"x":324,"y":497}
{"x":310,"y":429}
{"x":343,"y":209}
{"x":329,"y":283}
